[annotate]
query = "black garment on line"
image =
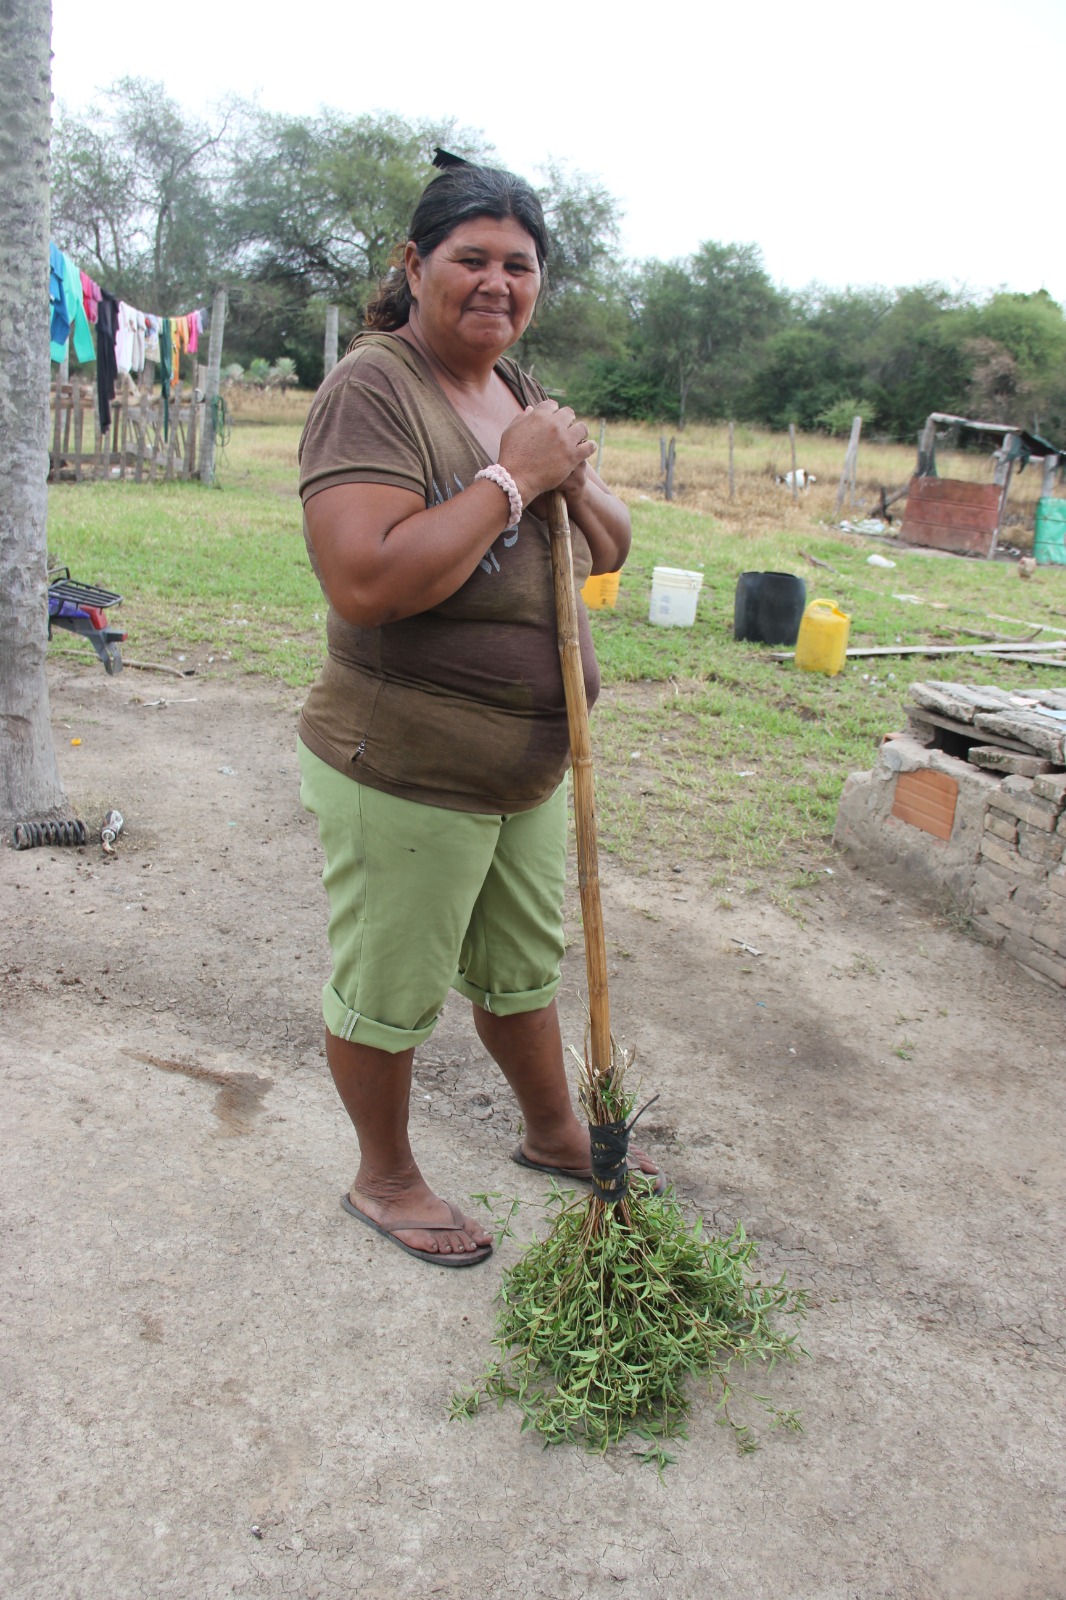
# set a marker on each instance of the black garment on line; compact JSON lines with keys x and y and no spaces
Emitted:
{"x":106,"y":360}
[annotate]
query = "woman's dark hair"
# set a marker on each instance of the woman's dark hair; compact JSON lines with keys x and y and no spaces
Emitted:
{"x":458,"y":195}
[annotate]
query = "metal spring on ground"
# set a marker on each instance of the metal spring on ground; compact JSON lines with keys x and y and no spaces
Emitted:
{"x":25,"y":835}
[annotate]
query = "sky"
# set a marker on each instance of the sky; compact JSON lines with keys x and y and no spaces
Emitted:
{"x":887,"y":144}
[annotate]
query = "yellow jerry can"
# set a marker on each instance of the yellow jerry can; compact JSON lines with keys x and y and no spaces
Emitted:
{"x":823,"y":638}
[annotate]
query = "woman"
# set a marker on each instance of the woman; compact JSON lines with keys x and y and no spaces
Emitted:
{"x":433,"y":746}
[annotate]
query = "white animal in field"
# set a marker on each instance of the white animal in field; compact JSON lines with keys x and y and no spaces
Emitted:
{"x":804,"y":479}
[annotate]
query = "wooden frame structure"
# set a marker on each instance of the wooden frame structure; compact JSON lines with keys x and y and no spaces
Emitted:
{"x":134,"y":448}
{"x":966,"y":518}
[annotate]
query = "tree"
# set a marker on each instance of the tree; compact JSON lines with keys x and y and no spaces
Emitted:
{"x":30,"y":784}
{"x":137,"y":195}
{"x":702,"y":322}
{"x":674,"y":339}
{"x":1017,"y":345}
{"x":582,"y":311}
{"x":315,"y":208}
{"x":914,"y":360}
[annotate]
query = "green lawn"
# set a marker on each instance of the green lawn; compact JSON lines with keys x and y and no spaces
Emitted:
{"x":705,"y":749}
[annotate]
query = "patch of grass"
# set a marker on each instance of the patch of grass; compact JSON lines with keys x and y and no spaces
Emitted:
{"x":707,"y":752}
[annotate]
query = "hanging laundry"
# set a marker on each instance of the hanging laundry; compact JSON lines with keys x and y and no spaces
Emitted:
{"x":106,"y":366}
{"x":124,"y":337}
{"x":60,"y":324}
{"x":166,"y":350}
{"x":68,"y":311}
{"x":138,"y":330}
{"x":151,"y":337}
{"x":90,"y":295}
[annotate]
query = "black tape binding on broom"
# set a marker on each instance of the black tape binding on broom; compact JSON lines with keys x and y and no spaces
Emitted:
{"x":610,"y":1156}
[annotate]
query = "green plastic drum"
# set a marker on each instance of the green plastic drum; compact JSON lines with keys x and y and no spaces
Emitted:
{"x":1049,"y":540}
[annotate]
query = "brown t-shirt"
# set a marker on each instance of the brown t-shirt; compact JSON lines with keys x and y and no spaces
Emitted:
{"x":461,"y":706}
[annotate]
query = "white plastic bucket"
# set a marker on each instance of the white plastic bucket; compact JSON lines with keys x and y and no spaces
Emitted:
{"x":674,"y":593}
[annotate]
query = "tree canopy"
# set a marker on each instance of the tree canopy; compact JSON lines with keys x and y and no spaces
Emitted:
{"x":292,"y":213}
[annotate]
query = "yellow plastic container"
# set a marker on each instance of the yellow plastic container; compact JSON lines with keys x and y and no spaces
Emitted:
{"x":600,"y":592}
{"x":823,"y":638}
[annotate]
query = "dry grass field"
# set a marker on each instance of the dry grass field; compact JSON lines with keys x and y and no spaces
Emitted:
{"x":631,"y":464}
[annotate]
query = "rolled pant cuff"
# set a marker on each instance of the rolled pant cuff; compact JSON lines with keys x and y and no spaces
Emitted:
{"x":344,"y":1023}
{"x":506,"y":1005}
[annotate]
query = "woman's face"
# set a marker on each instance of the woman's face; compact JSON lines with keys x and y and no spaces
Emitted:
{"x":476,"y":291}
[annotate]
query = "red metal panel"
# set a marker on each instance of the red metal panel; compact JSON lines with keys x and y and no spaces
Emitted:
{"x":946,"y":514}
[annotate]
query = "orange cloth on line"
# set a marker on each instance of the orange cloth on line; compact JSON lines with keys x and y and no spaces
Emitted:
{"x":179,"y":333}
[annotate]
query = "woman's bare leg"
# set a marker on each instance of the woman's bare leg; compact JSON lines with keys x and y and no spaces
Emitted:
{"x":375,"y":1088}
{"x":528,"y":1049}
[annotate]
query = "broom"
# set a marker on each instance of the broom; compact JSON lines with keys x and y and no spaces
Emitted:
{"x":602,"y":1322}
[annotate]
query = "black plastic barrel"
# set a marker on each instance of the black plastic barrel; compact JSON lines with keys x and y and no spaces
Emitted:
{"x":769,"y":607}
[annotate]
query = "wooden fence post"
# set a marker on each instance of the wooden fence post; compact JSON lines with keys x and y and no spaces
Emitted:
{"x":599,"y":447}
{"x":329,"y":356}
{"x":850,"y":468}
{"x":732,"y":481}
{"x":214,"y":377}
{"x":792,"y":442}
{"x":670,"y":457}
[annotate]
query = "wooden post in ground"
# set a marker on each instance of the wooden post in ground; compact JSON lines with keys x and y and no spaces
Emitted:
{"x":668,"y":471}
{"x":329,"y":354}
{"x":599,"y":447}
{"x":57,"y":431}
{"x":1051,"y":467}
{"x":732,"y":481}
{"x":927,"y":449}
{"x":851,"y":460}
{"x":792,"y":442}
{"x":214,"y":377}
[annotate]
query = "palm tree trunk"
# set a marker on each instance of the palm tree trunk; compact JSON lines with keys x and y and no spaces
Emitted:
{"x":30,"y":784}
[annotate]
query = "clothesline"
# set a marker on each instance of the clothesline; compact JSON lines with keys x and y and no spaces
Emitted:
{"x":126,"y":338}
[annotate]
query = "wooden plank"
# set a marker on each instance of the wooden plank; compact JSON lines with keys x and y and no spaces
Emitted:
{"x":189,"y":459}
{"x":57,"y":437}
{"x":168,"y":471}
{"x":926,"y":800}
{"x":1020,"y":651}
{"x":934,"y":719}
{"x":79,"y":440}
{"x":142,"y":436}
{"x":1034,"y":660}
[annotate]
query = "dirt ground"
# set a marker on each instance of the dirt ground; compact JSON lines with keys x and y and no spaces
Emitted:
{"x":215,"y":1384}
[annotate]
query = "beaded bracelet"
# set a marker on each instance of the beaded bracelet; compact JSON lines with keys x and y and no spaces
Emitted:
{"x":503,"y":480}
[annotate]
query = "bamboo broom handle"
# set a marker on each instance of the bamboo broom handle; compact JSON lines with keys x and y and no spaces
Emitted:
{"x":577,"y":712}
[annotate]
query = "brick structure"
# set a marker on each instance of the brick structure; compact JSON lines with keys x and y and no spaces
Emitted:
{"x":988,"y":846}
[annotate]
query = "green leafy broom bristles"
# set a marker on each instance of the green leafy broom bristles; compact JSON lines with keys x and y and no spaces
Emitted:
{"x":601,"y":1324}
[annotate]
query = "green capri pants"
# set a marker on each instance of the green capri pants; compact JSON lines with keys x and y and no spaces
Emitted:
{"x":422,"y":899}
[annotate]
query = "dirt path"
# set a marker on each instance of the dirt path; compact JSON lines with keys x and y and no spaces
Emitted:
{"x":197,"y":1341}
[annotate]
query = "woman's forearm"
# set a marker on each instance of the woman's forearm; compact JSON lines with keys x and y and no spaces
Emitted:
{"x":605,"y":522}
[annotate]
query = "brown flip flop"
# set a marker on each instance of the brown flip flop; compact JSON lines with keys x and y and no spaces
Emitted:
{"x":433,"y":1258}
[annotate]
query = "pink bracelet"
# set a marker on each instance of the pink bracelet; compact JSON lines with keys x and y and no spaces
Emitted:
{"x":503,"y":480}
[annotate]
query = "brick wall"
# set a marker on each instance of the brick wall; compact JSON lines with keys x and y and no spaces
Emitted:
{"x":1020,"y":877}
